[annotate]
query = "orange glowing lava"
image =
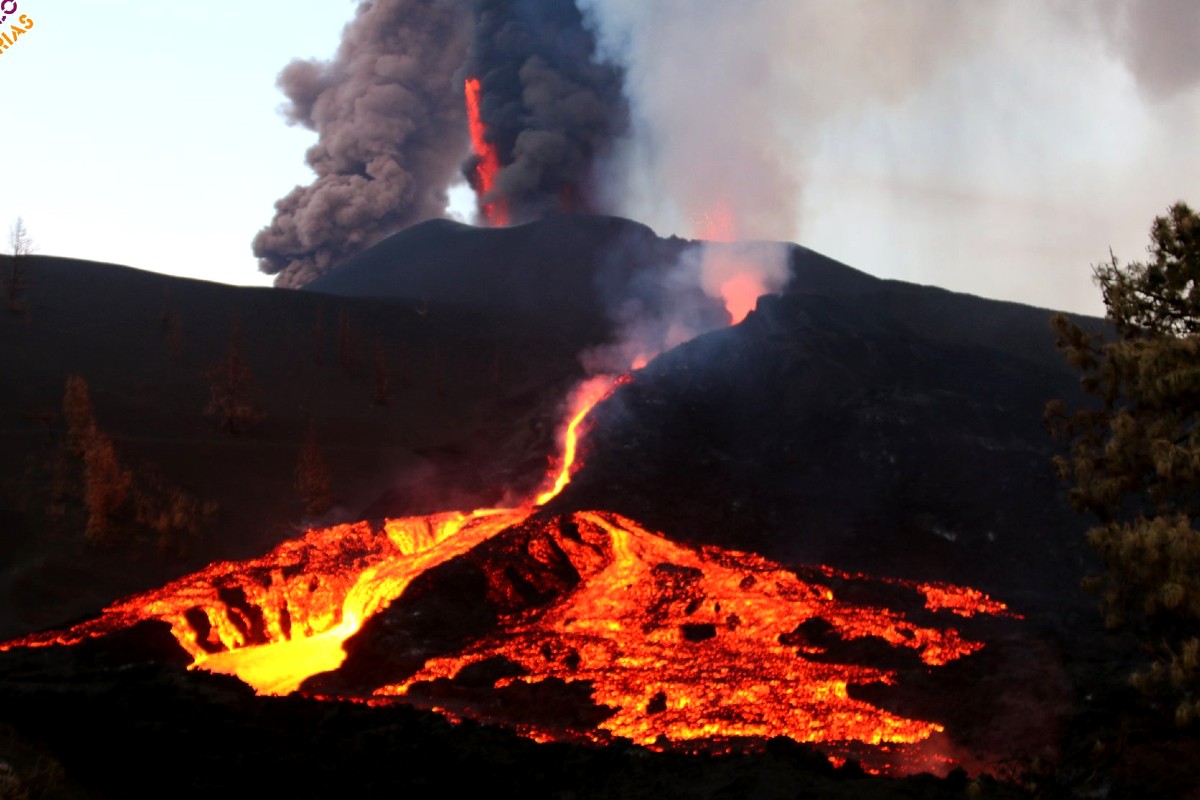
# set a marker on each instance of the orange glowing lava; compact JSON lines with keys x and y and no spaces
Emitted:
{"x":726,"y":272}
{"x":583,"y":400}
{"x":494,"y":211}
{"x":659,"y":643}
{"x":701,"y":645}
{"x":274,"y":621}
{"x":962,"y":600}
{"x":705,"y":647}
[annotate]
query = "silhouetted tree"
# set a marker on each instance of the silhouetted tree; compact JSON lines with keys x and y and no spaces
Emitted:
{"x":381,"y":375}
{"x":106,"y":483}
{"x":231,"y":389}
{"x":174,"y":516}
{"x":313,"y":480}
{"x":20,"y":245}
{"x":347,"y":346}
{"x":106,"y":488}
{"x":78,"y":412}
{"x":1134,"y":456}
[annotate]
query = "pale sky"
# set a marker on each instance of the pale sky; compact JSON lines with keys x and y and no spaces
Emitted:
{"x":147,"y":134}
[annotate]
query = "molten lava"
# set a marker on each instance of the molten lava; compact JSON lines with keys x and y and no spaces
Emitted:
{"x":705,"y":647}
{"x":488,"y":166}
{"x":583,"y":400}
{"x":700,"y":645}
{"x":274,"y":621}
{"x":647,"y":639}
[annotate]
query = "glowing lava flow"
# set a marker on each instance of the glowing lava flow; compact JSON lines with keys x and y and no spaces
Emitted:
{"x":275,"y":620}
{"x":584,"y":399}
{"x":495,"y":211}
{"x":699,"y":645}
{"x":650,"y":640}
{"x":705,"y":647}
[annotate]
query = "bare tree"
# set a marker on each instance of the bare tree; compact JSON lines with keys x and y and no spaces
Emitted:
{"x":15,"y":283}
{"x":313,"y":478}
{"x":231,"y":387}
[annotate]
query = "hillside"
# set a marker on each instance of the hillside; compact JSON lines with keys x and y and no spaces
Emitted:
{"x":874,"y":426}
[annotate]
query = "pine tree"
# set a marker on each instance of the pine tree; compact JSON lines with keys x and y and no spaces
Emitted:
{"x":231,"y":389}
{"x":1134,"y":456}
{"x":381,"y":375}
{"x":106,"y":483}
{"x":313,"y":479}
{"x":106,"y":488}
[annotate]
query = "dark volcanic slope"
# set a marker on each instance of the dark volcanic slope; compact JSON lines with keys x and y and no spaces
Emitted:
{"x":568,"y":270}
{"x":873,"y":424}
{"x":869,"y":423}
{"x":465,"y":387}
{"x":876,"y":424}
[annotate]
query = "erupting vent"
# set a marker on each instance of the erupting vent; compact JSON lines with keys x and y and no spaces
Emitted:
{"x":494,"y":211}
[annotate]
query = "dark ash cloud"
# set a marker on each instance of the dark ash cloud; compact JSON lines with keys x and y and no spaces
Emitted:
{"x":388,"y":111}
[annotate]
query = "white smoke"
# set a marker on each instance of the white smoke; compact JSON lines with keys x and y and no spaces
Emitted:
{"x":706,"y":277}
{"x":996,"y":147}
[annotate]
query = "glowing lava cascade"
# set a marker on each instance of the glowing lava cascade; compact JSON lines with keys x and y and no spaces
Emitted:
{"x":702,"y":648}
{"x":651,"y":640}
{"x":494,"y":211}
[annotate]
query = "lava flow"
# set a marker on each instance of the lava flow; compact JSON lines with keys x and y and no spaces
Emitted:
{"x":495,"y":211}
{"x":602,"y":629}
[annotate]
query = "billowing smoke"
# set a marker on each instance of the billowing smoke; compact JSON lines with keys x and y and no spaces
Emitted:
{"x":709,"y":285}
{"x":911,"y":136}
{"x":728,"y":99}
{"x":550,"y":109}
{"x":1158,"y":39}
{"x":389,"y":113}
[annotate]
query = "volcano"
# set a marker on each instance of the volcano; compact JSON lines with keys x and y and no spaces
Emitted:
{"x":834,"y":524}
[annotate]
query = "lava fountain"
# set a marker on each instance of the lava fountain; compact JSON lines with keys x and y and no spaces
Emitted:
{"x":488,"y":165}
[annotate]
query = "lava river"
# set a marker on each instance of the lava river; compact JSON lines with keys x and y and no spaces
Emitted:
{"x":673,"y":645}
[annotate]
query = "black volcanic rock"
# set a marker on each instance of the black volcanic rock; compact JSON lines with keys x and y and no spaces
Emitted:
{"x":874,"y":425}
{"x":572,"y":271}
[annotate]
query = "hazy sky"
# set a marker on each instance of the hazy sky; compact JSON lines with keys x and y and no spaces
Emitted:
{"x":1004,"y":165}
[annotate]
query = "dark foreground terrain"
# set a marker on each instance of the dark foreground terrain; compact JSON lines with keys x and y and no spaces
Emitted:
{"x":872,"y":425}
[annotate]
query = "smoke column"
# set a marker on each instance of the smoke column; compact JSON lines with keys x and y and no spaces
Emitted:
{"x":548,"y":107}
{"x":388,"y":110}
{"x":955,"y":118}
{"x":390,"y":115}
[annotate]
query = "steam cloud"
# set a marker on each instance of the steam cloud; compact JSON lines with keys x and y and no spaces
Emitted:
{"x":686,"y":300}
{"x":729,"y":99}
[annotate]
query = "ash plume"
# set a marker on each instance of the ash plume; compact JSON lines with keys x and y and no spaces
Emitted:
{"x":389,"y":113}
{"x":1157,"y":39}
{"x":551,"y":110}
{"x":388,"y":110}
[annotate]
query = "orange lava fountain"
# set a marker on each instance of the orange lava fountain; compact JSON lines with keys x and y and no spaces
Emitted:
{"x":739,"y":284}
{"x":495,"y":211}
